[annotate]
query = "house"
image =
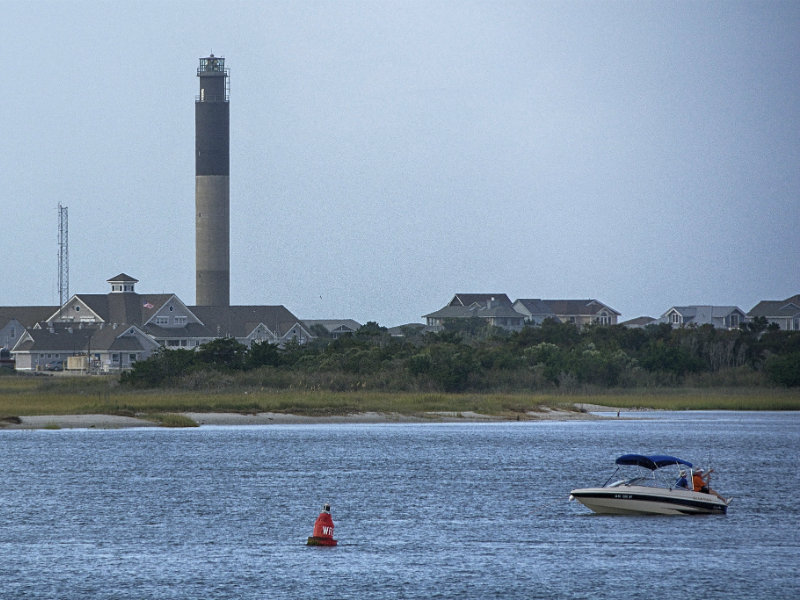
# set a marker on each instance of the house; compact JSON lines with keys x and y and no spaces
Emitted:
{"x":495,"y":309}
{"x":784,"y":313}
{"x":721,"y":317}
{"x":250,"y":324}
{"x":164,"y":317}
{"x":116,"y":329}
{"x":15,"y":319}
{"x":639,"y":322}
{"x":534,"y":310}
{"x":577,"y":312}
{"x":106,"y":348}
{"x":408,"y":330}
{"x":334,"y":328}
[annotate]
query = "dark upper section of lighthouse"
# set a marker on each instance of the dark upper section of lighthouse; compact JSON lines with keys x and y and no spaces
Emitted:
{"x":211,"y":118}
{"x":213,"y":80}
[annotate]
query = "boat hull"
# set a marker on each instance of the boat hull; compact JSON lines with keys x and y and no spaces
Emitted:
{"x":638,"y":500}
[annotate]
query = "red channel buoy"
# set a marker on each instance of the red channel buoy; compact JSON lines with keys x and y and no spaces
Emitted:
{"x":323,"y":529}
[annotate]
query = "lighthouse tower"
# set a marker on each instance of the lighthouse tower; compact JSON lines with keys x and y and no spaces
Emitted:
{"x":212,"y":187}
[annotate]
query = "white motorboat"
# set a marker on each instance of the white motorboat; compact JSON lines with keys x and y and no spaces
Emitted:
{"x":649,"y":494}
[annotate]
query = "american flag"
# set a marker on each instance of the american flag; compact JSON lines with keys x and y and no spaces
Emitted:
{"x":148,"y":305}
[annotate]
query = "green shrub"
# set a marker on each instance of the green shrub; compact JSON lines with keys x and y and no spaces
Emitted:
{"x":784,"y":370}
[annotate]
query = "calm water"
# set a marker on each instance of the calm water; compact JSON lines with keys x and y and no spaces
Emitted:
{"x":421,"y":511}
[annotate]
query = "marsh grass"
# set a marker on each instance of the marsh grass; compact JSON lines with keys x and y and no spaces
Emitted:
{"x":31,"y":396}
{"x":171,"y":420}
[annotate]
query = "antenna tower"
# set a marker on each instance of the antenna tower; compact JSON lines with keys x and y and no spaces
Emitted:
{"x":63,"y":255}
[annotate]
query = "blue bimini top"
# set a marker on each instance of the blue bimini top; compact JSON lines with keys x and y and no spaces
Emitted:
{"x":656,"y":461}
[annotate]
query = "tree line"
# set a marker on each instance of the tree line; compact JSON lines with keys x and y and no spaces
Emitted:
{"x":469,"y":356}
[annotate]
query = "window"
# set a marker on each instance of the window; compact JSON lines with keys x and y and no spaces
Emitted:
{"x":674,"y":318}
{"x":77,"y":308}
{"x":132,"y":358}
{"x":115,"y":358}
{"x":180,"y":320}
{"x":162,"y":320}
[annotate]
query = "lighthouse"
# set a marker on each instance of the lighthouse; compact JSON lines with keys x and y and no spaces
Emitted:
{"x":212,"y":184}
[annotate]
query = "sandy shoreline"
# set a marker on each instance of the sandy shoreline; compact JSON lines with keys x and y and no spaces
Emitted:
{"x":100,"y":421}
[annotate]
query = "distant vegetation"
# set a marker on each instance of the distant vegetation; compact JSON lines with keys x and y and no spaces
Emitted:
{"x":469,"y":357}
{"x":465,"y":368}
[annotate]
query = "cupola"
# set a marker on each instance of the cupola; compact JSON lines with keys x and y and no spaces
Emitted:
{"x":122,"y":283}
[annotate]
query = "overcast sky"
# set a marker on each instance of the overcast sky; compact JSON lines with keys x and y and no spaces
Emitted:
{"x":387,"y":155}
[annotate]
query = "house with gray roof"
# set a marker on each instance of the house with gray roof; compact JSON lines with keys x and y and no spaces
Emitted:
{"x":783,"y":313}
{"x":334,"y":328}
{"x":534,"y":310}
{"x":15,"y":319}
{"x":162,"y":316}
{"x":106,"y":348}
{"x":721,"y":317}
{"x":108,"y":328}
{"x":249,"y":324}
{"x":495,"y":309}
{"x":639,"y":322}
{"x":480,"y":300}
{"x":578,"y":312}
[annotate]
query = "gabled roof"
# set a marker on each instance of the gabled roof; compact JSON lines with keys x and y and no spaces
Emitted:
{"x":240,"y":321}
{"x":27,"y":316}
{"x":588,"y":307}
{"x":480,"y":299}
{"x":84,"y":339}
{"x":638,"y":322}
{"x":466,"y":312}
{"x":129,"y":307}
{"x":535,"y":306}
{"x":57,"y":339}
{"x":776,"y":308}
{"x":332,"y":325}
{"x":451,"y":312}
{"x":121,"y":338}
